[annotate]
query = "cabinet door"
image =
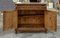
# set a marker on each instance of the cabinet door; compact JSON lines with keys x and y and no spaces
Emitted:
{"x":9,"y":20}
{"x":50,"y":20}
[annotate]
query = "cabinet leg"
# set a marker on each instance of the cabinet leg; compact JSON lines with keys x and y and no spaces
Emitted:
{"x":15,"y":32}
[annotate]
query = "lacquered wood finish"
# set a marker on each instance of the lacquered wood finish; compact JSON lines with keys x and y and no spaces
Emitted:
{"x":9,"y":20}
{"x":30,"y":18}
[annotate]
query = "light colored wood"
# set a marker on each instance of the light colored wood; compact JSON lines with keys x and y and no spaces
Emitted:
{"x":15,"y":19}
{"x":50,"y":20}
{"x":9,"y":20}
{"x":54,"y":21}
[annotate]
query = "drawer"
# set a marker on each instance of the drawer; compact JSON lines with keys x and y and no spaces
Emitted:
{"x":31,"y":7}
{"x":31,"y":12}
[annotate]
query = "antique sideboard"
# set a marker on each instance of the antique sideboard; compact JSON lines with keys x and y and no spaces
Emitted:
{"x":32,"y":17}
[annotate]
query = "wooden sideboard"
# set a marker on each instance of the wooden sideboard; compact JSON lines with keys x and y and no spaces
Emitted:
{"x":30,"y":18}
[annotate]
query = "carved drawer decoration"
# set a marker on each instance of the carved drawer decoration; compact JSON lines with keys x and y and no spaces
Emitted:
{"x":31,"y":7}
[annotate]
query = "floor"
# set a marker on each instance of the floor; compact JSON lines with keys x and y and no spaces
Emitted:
{"x":12,"y":34}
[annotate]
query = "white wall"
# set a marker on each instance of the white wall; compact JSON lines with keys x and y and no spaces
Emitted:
{"x":15,"y":0}
{"x":51,"y":0}
{"x":1,"y":20}
{"x":58,"y":19}
{"x":21,"y":0}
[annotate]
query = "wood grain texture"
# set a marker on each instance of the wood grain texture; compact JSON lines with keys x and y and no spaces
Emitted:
{"x":36,"y":19}
{"x":31,"y":6}
{"x":30,"y":16}
{"x":46,"y":19}
{"x":15,"y":19}
{"x":9,"y":20}
{"x":34,"y":30}
{"x":50,"y":20}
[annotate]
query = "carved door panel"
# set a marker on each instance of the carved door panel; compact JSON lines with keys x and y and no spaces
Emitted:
{"x":50,"y":20}
{"x":9,"y":20}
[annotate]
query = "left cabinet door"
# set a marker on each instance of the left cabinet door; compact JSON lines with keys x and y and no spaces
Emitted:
{"x":9,"y":20}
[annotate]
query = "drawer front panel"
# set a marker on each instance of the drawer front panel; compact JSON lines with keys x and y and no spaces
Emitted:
{"x":31,"y":7}
{"x":27,"y":12}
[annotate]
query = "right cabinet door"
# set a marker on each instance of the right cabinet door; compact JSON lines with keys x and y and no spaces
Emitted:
{"x":50,"y":20}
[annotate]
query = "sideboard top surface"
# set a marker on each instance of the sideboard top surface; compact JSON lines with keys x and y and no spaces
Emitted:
{"x":29,"y":3}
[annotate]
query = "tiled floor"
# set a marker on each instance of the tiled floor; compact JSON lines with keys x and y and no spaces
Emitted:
{"x":29,"y":35}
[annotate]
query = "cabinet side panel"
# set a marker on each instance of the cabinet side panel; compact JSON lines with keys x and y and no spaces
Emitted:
{"x":54,"y":20}
{"x":15,"y":17}
{"x":46,"y":20}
